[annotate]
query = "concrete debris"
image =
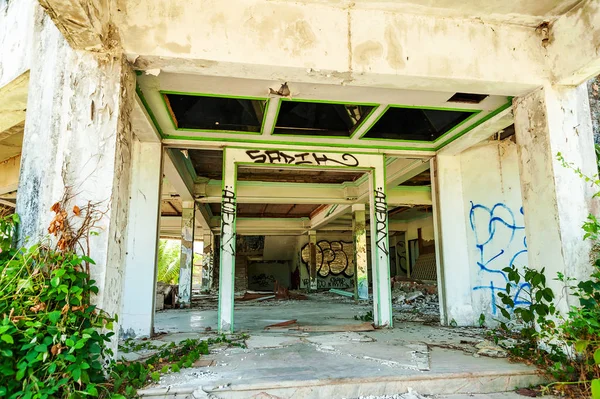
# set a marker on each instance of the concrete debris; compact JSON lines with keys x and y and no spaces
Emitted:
{"x":489,"y":349}
{"x":336,"y":328}
{"x":281,"y":324}
{"x":166,"y":295}
{"x":342,"y":293}
{"x":414,"y":300}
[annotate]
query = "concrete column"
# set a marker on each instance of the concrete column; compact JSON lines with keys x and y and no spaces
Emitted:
{"x":380,"y":254}
{"x":312,"y":262}
{"x":137,"y":310}
{"x":186,"y":263}
{"x":361,"y":279}
{"x":450,"y":225}
{"x":78,"y":140}
{"x":556,"y":202}
{"x":227,"y":245}
{"x":394,"y":255}
{"x":208,"y":260}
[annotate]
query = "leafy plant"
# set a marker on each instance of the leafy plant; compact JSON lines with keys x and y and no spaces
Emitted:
{"x":365,"y":317}
{"x":52,"y":342}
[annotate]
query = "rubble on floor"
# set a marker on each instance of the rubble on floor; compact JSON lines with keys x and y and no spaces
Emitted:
{"x":166,"y":295}
{"x":415,"y":300}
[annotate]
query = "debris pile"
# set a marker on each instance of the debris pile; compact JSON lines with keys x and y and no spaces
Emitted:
{"x":166,"y":295}
{"x":415,"y":300}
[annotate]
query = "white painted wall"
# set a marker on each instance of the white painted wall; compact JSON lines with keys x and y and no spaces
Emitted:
{"x":495,"y":222}
{"x":16,"y":33}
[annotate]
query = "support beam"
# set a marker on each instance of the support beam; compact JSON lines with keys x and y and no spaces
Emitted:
{"x":186,"y":264}
{"x":342,"y":45}
{"x":380,"y":264}
{"x":312,"y":261}
{"x":178,"y":174}
{"x":228,"y":244}
{"x":575,"y":33}
{"x":480,"y":133}
{"x":79,"y":110}
{"x":85,"y":24}
{"x":556,"y":202}
{"x":361,"y":279}
{"x":139,"y":288}
{"x":208,"y":260}
{"x":301,"y":193}
{"x":450,"y":222}
{"x":400,"y":171}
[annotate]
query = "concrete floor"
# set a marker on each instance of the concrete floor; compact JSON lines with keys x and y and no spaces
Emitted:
{"x":293,"y":364}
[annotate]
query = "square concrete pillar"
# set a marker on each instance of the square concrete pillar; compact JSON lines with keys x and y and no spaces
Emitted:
{"x":78,"y":140}
{"x":139,"y":288}
{"x":380,"y":254}
{"x":361,"y":278}
{"x":452,"y":246}
{"x":312,"y":261}
{"x":186,"y":263}
{"x":227,"y":245}
{"x":208,"y":260}
{"x":556,"y":202}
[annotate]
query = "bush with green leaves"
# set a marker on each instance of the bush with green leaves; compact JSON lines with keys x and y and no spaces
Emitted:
{"x":52,"y":343}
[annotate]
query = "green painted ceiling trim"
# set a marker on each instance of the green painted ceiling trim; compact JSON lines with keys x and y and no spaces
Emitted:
{"x":302,"y":219}
{"x":138,"y":90}
{"x":176,"y":128}
{"x":300,"y":100}
{"x":217,"y":183}
{"x":185,"y":93}
{"x":286,"y":165}
{"x":479,"y":122}
{"x":304,"y":149}
{"x":343,"y":145}
{"x":411,"y":188}
{"x":473,"y":113}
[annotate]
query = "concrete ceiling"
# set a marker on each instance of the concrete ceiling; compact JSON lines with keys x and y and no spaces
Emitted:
{"x":530,"y":13}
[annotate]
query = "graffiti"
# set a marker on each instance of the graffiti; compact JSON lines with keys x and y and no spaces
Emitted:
{"x":500,"y":243}
{"x":304,"y":158}
{"x":381,"y":220}
{"x":262,"y":281}
{"x":228,"y":211}
{"x":248,"y":245}
{"x":333,"y":258}
{"x":331,"y":282}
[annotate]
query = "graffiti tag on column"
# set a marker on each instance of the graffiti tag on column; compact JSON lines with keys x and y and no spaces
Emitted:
{"x":304,"y":158}
{"x":228,"y":210}
{"x":381,"y":220}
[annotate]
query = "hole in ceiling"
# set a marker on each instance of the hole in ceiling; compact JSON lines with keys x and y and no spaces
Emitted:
{"x":468,"y":98}
{"x":320,"y":119}
{"x":415,"y":124}
{"x":216,"y":113}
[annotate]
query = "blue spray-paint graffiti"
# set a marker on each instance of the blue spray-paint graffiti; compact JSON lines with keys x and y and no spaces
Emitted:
{"x":501,"y":243}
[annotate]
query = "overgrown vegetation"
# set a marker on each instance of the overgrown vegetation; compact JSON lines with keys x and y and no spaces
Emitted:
{"x":566,"y":346}
{"x":54,"y":342}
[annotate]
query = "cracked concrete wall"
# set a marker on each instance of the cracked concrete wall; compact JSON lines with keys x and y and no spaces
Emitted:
{"x":78,"y":135}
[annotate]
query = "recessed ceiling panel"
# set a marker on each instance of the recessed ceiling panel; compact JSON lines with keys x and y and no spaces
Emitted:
{"x":209,"y":113}
{"x":320,"y":118}
{"x":415,"y":124}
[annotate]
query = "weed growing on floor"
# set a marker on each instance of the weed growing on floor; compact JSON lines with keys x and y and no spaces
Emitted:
{"x":365,"y":317}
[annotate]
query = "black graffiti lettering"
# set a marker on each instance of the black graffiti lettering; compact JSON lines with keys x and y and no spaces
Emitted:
{"x":381,"y":220}
{"x":228,"y":246}
{"x":256,"y":156}
{"x":278,"y":157}
{"x":228,"y":201}
{"x":347,"y":160}
{"x":303,"y":160}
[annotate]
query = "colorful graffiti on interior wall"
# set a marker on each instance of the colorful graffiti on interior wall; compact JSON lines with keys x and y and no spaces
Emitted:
{"x":335,"y":264}
{"x":501,"y":242}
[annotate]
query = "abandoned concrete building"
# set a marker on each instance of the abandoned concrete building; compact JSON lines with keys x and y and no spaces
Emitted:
{"x":309,"y":145}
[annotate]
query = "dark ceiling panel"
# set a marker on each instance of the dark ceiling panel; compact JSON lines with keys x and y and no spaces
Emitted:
{"x":415,"y":124}
{"x":216,"y":113}
{"x":319,"y":119}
